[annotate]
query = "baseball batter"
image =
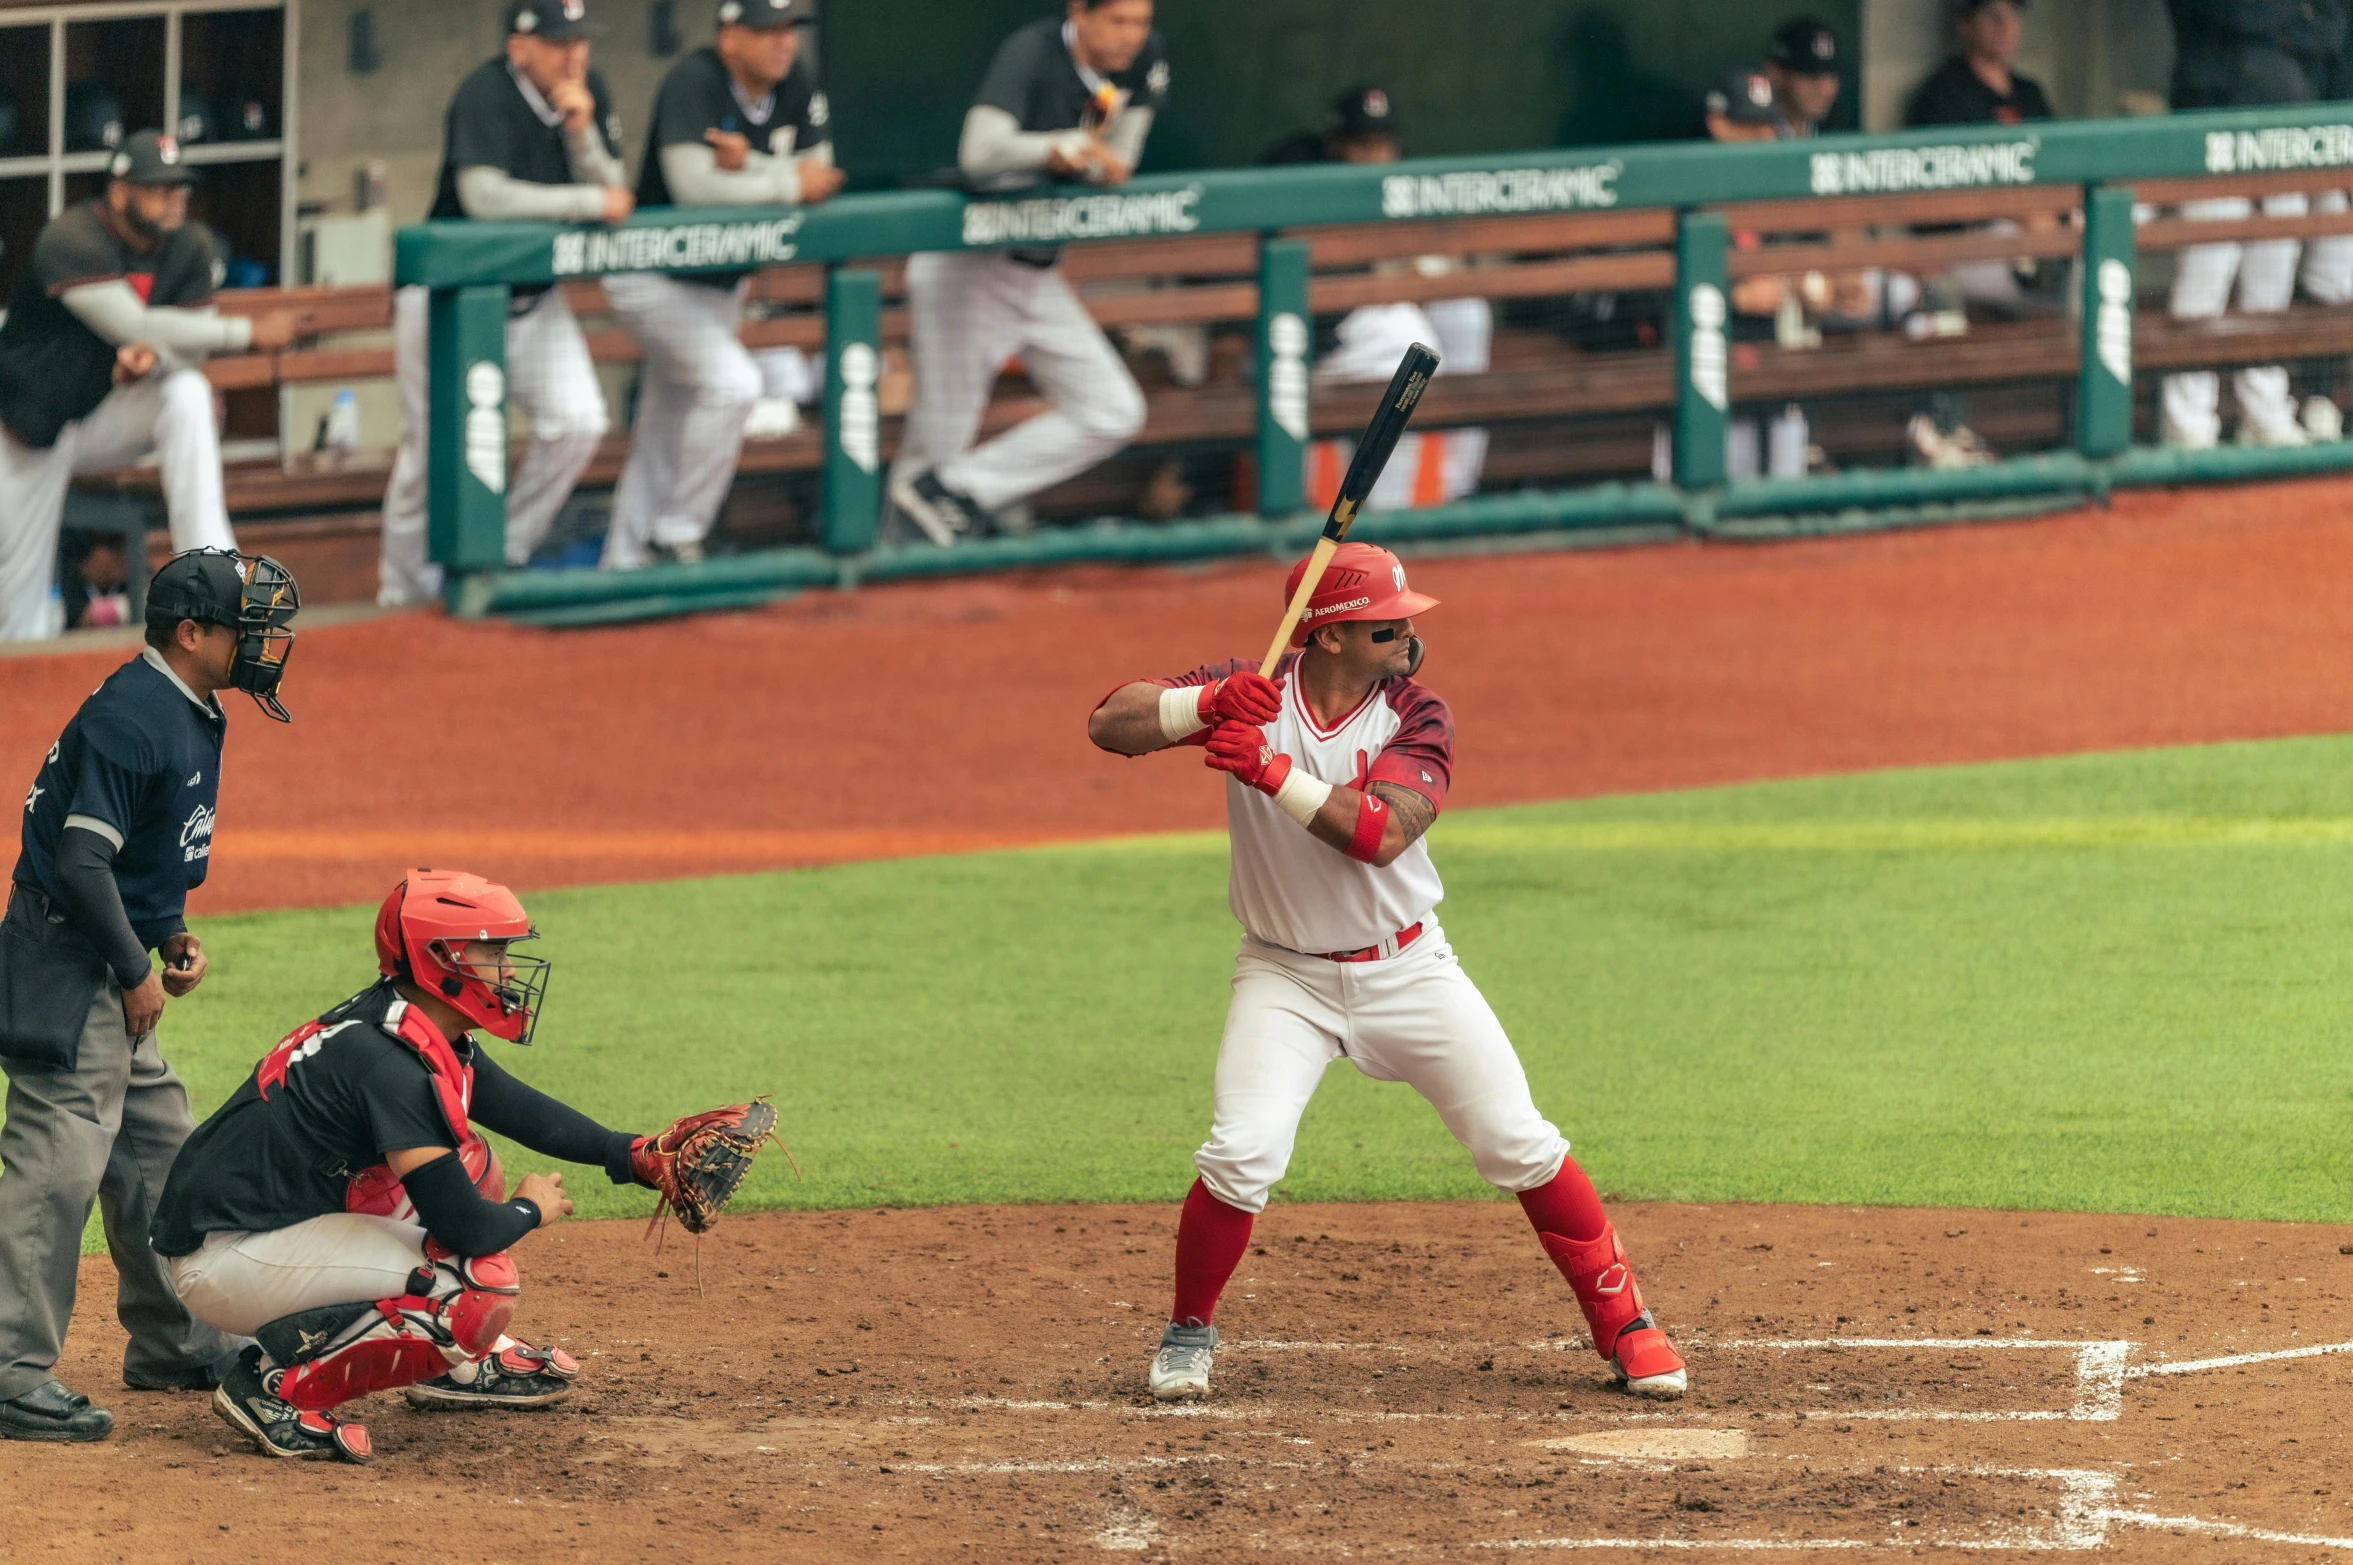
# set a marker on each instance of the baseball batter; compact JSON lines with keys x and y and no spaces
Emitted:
{"x":1335,"y":768}
{"x":530,"y":134}
{"x":738,"y":123}
{"x":1068,"y":98}
{"x":342,"y":1209}
{"x":99,"y":364}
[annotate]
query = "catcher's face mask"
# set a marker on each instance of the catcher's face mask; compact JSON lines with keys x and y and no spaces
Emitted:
{"x":492,"y":985}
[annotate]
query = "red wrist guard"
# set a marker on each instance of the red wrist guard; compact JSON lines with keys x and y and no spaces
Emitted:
{"x":1372,"y":819}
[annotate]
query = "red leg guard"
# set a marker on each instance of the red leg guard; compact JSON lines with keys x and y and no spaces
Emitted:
{"x":1211,"y":1237}
{"x":1602,"y":1281}
{"x":455,"y":1310}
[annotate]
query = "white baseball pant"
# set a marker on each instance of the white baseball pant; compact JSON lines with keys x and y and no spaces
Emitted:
{"x":169,"y":414}
{"x":2327,"y":273}
{"x":1415,"y":1017}
{"x":695,"y":387}
{"x":971,"y":310}
{"x":252,"y":1279}
{"x":550,"y":377}
{"x":2265,"y":272}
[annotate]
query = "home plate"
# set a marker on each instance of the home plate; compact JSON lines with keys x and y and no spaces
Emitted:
{"x":1656,"y":1445}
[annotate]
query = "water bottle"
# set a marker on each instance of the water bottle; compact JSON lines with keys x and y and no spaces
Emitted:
{"x":343,"y":422}
{"x":1786,"y":455}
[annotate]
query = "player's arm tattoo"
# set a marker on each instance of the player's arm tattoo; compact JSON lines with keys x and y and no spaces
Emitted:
{"x":1412,"y":812}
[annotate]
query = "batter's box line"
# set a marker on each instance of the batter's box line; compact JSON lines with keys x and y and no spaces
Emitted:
{"x":2100,"y":1371}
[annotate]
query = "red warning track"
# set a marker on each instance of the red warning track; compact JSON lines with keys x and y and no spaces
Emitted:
{"x":947,"y":717}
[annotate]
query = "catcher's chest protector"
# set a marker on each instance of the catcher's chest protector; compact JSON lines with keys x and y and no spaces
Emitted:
{"x":377,"y":1191}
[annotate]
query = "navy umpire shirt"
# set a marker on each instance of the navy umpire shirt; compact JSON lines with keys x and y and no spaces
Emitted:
{"x":143,"y":759}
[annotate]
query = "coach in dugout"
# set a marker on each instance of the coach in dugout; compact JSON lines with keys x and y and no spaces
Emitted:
{"x":117,"y":831}
{"x":2241,"y":54}
{"x":530,"y":133}
{"x":1068,"y":99}
{"x":738,"y":123}
{"x":99,"y":365}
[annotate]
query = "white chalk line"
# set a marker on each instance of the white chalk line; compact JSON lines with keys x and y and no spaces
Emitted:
{"x":2223,"y":1529}
{"x":2234,"y":1360}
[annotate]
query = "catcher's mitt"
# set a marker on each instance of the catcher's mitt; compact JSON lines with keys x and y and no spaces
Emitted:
{"x":699,"y":1161}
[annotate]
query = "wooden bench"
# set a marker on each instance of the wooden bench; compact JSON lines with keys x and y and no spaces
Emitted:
{"x":1535,"y":380}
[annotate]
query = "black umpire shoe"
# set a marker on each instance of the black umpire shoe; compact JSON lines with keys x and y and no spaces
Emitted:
{"x":50,"y":1412}
{"x":202,"y":1378}
{"x":246,"y":1402}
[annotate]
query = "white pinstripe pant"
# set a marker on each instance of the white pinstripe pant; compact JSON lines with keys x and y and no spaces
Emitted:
{"x":551,"y":377}
{"x":695,"y":390}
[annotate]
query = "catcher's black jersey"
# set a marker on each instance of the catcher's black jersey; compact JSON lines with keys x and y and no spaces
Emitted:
{"x":491,"y":123}
{"x":699,"y":95}
{"x":283,"y":1151}
{"x":1034,"y":79}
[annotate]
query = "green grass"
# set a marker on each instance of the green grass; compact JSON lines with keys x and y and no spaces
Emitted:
{"x":2113,"y":983}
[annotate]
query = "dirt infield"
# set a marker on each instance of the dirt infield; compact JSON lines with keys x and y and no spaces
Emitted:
{"x":1397,"y":1380}
{"x":932,"y":718}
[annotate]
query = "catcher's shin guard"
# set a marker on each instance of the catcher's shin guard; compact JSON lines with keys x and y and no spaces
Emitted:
{"x":453,"y":1313}
{"x":1623,"y":1332}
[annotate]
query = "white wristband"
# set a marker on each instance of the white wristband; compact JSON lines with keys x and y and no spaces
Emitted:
{"x":1301,"y":795}
{"x":1180,"y":713}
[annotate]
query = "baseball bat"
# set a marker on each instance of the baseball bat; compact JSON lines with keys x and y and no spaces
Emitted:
{"x":1372,"y":455}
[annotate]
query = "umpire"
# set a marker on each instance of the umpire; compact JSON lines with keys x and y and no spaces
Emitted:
{"x":117,"y":831}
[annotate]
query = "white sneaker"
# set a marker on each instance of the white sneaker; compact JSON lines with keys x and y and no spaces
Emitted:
{"x":771,"y":418}
{"x":1180,"y":1370}
{"x":2180,"y":439}
{"x":2323,"y":420}
{"x":2281,"y":435}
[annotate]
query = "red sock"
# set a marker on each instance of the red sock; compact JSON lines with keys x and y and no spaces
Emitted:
{"x":1211,"y":1237}
{"x":1566,"y":1204}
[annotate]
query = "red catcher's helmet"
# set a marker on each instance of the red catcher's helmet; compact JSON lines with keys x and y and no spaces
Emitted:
{"x":1363,"y":581}
{"x":421,"y":935}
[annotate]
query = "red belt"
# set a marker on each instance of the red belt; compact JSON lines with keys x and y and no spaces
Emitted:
{"x":1405,"y":937}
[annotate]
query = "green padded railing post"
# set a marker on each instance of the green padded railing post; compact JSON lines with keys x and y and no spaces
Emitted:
{"x":466,"y":430}
{"x":1702,"y":351}
{"x":1283,"y":345}
{"x":2103,"y":395}
{"x":853,"y":415}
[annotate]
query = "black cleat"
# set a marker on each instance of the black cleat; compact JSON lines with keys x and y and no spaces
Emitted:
{"x":246,"y":1402}
{"x":943,"y":514}
{"x":520,"y":1376}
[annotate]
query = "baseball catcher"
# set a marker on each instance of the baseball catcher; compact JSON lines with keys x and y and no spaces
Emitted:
{"x":344,"y":1210}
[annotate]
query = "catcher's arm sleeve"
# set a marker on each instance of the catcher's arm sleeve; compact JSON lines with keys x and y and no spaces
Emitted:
{"x":523,"y":1113}
{"x":456,"y":1213}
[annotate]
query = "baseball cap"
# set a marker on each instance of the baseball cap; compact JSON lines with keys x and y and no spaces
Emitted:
{"x":557,"y":21}
{"x":1364,"y":111}
{"x":149,"y":157}
{"x":1805,"y":47}
{"x":767,"y":16}
{"x":1744,"y":98}
{"x":205,"y":585}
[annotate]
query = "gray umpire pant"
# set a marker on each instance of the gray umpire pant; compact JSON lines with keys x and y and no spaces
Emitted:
{"x":105,"y":1131}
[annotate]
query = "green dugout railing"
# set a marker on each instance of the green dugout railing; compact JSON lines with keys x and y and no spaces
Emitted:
{"x":471,"y":266}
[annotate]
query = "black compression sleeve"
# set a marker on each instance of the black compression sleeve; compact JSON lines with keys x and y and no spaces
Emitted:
{"x":523,"y":1113}
{"x":455,"y":1213}
{"x":85,"y":885}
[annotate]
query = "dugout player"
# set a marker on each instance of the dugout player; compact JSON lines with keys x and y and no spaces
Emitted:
{"x":342,"y":1209}
{"x":738,"y":123}
{"x":117,"y":831}
{"x":530,"y":134}
{"x":99,"y":360}
{"x":1066,"y":99}
{"x":1335,"y":768}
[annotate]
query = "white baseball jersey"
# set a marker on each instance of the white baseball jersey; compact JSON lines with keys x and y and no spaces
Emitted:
{"x":1290,"y":889}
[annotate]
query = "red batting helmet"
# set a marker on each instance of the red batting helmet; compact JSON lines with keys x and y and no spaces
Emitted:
{"x":421,"y":935}
{"x":1363,"y":581}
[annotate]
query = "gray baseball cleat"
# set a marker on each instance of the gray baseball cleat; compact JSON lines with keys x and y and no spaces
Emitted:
{"x":1180,"y":1370}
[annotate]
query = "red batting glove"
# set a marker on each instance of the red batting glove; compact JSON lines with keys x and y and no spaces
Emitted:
{"x":1244,"y":751}
{"x":1241,"y":698}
